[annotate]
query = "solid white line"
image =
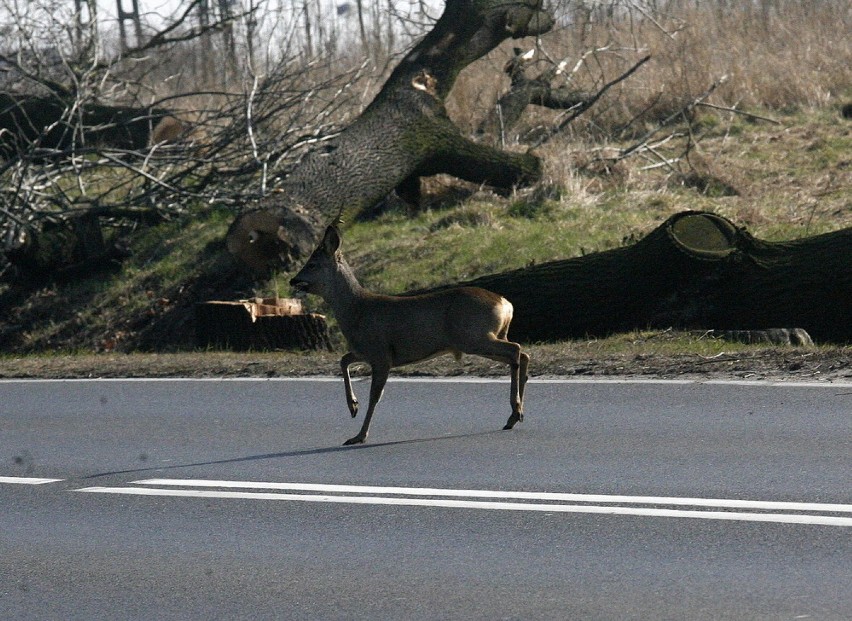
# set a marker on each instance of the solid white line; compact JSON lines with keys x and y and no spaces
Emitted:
{"x":454,"y":380}
{"x":27,"y":480}
{"x":723,"y":503}
{"x":821,"y":520}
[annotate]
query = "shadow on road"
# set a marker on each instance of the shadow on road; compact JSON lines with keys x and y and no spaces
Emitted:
{"x":298,"y":453}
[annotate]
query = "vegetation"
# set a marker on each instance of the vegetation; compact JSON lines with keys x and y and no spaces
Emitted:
{"x":768,"y":149}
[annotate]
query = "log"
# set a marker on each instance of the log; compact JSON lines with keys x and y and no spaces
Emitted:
{"x":44,"y":127}
{"x":66,"y":247}
{"x":696,"y":270}
{"x":62,"y":250}
{"x":772,"y":336}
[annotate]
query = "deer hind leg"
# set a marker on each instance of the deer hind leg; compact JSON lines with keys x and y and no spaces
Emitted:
{"x":351,"y":400}
{"x":377,"y":387}
{"x":524,"y":376}
{"x":509,"y":353}
{"x":517,"y":414}
{"x":519,"y":383}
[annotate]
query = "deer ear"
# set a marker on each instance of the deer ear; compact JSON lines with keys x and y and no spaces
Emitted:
{"x":331,"y":240}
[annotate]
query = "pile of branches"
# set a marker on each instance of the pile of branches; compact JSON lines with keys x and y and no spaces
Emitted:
{"x":85,"y":139}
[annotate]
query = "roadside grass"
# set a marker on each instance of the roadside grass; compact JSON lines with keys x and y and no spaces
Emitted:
{"x":782,"y":180}
{"x":651,"y":354}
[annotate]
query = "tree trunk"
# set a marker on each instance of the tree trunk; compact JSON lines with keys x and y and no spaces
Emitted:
{"x":45,"y":128}
{"x":403,"y":134}
{"x":697,"y":270}
{"x":64,"y":249}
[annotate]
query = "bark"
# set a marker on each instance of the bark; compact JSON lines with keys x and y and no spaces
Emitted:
{"x":68,"y":247}
{"x":53,"y":127}
{"x":696,"y":270}
{"x":525,"y":91}
{"x":403,"y":134}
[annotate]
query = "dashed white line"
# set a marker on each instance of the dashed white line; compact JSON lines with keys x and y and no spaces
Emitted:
{"x":27,"y":480}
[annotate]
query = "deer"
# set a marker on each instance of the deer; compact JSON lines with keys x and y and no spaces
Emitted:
{"x":389,"y":331}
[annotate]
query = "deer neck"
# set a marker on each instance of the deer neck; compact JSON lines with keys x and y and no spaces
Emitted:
{"x":346,"y":294}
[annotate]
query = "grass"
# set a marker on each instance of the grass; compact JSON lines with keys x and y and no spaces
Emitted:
{"x":782,"y":180}
{"x":650,"y":354}
{"x":792,"y":180}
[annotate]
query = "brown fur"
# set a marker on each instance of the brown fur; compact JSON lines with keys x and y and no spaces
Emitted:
{"x":388,"y":331}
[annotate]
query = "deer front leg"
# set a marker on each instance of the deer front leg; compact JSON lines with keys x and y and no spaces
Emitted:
{"x":524,"y":376}
{"x":377,"y":387}
{"x":351,"y":401}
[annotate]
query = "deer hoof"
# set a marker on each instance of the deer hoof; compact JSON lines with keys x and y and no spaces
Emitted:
{"x":516,"y":417}
{"x":359,"y":439}
{"x":353,"y":408}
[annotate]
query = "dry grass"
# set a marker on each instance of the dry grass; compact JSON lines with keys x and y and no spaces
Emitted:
{"x":642,"y":354}
{"x":779,"y":55}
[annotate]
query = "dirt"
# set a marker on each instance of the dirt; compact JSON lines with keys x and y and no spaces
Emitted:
{"x":562,"y":360}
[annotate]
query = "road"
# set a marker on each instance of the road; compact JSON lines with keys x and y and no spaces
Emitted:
{"x":233,"y":499}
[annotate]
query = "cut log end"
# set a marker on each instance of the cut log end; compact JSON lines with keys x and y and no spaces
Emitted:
{"x":703,"y":235}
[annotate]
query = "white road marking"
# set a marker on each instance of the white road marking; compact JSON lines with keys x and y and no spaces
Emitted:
{"x":457,"y":380}
{"x":723,"y":503}
{"x":27,"y":480}
{"x":423,"y":501}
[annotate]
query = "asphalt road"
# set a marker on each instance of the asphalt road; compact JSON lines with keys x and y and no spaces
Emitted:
{"x":233,"y":500}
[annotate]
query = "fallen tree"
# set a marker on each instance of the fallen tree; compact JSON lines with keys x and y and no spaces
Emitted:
{"x":696,"y":270}
{"x":404,"y":134}
{"x":44,"y":127}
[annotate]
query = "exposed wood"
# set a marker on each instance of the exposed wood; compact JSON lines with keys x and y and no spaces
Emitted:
{"x":259,"y":325}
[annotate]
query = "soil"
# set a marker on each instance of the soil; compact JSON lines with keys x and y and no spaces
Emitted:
{"x":562,"y":360}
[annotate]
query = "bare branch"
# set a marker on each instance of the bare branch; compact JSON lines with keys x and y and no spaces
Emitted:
{"x":643,"y":141}
{"x":751,"y":115}
{"x":585,"y":105}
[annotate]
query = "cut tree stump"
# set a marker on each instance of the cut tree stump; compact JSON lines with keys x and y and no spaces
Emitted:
{"x":260,"y":325}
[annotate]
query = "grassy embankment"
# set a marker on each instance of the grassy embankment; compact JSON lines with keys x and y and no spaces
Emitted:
{"x":783,"y":178}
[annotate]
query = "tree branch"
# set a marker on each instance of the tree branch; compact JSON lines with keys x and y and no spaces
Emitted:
{"x":585,"y":105}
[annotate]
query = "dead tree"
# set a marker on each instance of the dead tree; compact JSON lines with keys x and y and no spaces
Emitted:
{"x":404,"y":134}
{"x":696,"y":270}
{"x":525,"y":91}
